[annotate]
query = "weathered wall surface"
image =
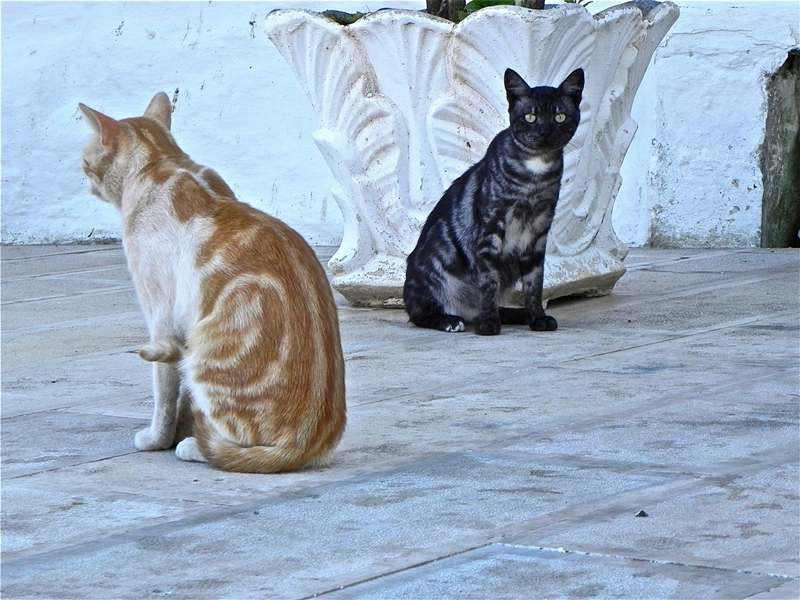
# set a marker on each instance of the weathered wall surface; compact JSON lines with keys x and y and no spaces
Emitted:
{"x":238,"y":109}
{"x":780,"y":164}
{"x":691,"y":177}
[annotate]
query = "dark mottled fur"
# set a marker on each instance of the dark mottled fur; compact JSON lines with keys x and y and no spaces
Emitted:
{"x":490,"y":228}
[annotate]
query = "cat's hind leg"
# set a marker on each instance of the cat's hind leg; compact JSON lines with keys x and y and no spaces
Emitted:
{"x":185,"y":425}
{"x":442,"y":322}
{"x":187,"y":450}
{"x":432,"y":316}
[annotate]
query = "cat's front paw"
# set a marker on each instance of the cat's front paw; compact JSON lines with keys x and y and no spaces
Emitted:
{"x":145,"y":441}
{"x":488,"y":327}
{"x":545,"y":323}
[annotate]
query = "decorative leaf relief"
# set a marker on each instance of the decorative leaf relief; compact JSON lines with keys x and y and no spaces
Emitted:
{"x":542,"y":46}
{"x":370,"y":147}
{"x":360,"y":236}
{"x":407,"y":54}
{"x":460,"y":131}
{"x":621,"y":41}
{"x":579,"y":218}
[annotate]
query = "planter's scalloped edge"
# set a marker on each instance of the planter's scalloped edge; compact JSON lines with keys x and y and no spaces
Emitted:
{"x":379,"y":284}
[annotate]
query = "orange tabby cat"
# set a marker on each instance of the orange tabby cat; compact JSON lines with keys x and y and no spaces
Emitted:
{"x":243,"y":326}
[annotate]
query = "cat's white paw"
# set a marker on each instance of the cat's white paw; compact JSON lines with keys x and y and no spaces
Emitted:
{"x":455,"y":328}
{"x":188,"y":450}
{"x":145,"y":440}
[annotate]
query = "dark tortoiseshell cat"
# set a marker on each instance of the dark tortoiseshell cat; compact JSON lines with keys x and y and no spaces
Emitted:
{"x":490,"y":228}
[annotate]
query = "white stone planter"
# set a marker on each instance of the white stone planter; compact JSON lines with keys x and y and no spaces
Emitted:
{"x":406,"y":102}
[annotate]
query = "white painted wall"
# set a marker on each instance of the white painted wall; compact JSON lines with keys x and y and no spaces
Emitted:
{"x":691,"y":176}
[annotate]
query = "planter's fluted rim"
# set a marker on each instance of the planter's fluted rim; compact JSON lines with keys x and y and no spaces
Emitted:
{"x":651,"y":10}
{"x":647,"y":8}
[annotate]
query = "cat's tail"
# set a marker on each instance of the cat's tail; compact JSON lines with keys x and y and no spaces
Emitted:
{"x":229,"y":456}
{"x":167,"y":351}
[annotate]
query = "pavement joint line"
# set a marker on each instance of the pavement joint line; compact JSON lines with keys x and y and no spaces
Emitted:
{"x":96,"y":292}
{"x":680,"y":292}
{"x":100,"y":401}
{"x":73,"y":323}
{"x":680,"y":484}
{"x":660,"y":558}
{"x":574,"y":515}
{"x":682,"y":259}
{"x":77,"y":358}
{"x":494,"y":549}
{"x":104,"y":542}
{"x":71,"y":275}
{"x":623,"y":466}
{"x":620,"y":301}
{"x":544,"y":430}
{"x":585,"y":357}
{"x":68,"y":542}
{"x":78,"y":249}
{"x":438,"y":338}
{"x":74,"y":406}
{"x":67,"y":463}
{"x":33,"y":257}
{"x":44,"y":559}
{"x":631,"y":410}
{"x":607,"y":507}
{"x":792,"y":591}
{"x":397,"y":571}
{"x":656,"y":561}
{"x":631,"y":500}
{"x":690,"y":333}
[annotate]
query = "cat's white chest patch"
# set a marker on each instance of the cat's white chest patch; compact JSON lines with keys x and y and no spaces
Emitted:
{"x":538,"y":166}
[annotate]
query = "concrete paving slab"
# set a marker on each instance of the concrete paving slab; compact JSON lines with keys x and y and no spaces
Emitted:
{"x":96,"y":513}
{"x":786,"y":591}
{"x":734,"y":420}
{"x":63,"y":384}
{"x":696,"y":308}
{"x":745,"y":521}
{"x":504,"y":571}
{"x":11,"y":253}
{"x":45,"y":312}
{"x":677,"y":394}
{"x":409,"y":511}
{"x":52,"y":439}
{"x":48,"y":346}
{"x":744,"y":262}
{"x":42,"y":288}
{"x":54,"y":263}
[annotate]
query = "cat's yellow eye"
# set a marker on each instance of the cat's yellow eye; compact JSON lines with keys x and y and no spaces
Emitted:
{"x":530,"y":117}
{"x":560,"y":118}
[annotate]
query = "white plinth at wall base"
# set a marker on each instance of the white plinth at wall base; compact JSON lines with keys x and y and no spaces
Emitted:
{"x":406,"y":102}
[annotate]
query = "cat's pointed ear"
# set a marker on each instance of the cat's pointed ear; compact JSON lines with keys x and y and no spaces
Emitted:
{"x":515,"y":85}
{"x":573,"y":85}
{"x":107,"y":127}
{"x":160,"y":110}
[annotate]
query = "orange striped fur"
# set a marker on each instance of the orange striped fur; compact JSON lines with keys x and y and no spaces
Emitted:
{"x":243,"y":326}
